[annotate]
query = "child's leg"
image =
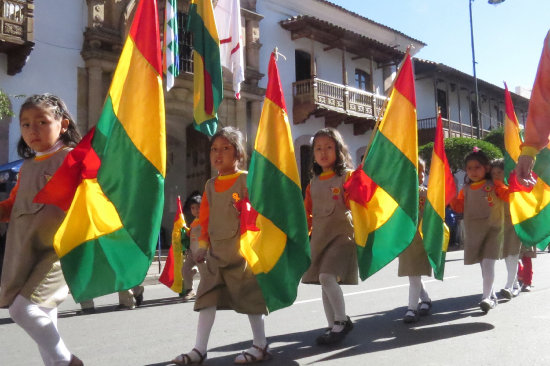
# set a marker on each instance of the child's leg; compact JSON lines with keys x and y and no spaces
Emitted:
{"x":488,"y":275}
{"x":511,"y":266}
{"x":415,"y":287}
{"x":258,"y":330}
{"x":527,"y":271}
{"x":336,"y":298}
{"x":329,"y":311}
{"x":41,"y":325}
{"x":423,"y":293}
{"x":187,"y":272}
{"x":204,"y":327}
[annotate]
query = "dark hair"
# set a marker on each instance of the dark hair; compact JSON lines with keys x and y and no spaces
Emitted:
{"x":194,"y":198}
{"x":71,"y":137}
{"x":481,"y":158}
{"x":497,"y":163}
{"x":343,"y":157}
{"x":235,"y":138}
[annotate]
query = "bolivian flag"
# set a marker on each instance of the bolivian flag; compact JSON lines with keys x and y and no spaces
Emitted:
{"x":113,"y":182}
{"x":274,"y":234}
{"x":171,"y":274}
{"x":207,"y":67}
{"x":384,"y":190}
{"x":529,"y":207}
{"x":441,"y":190}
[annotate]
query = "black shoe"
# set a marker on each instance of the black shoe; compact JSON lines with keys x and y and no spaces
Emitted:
{"x":348,"y":326}
{"x":139,"y":299}
{"x":411,"y":316}
{"x":424,"y":308}
{"x":121,"y":307}
{"x":86,"y":311}
{"x":329,"y":338}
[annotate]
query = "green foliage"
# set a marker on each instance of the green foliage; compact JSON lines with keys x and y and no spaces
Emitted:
{"x":456,"y":149}
{"x":496,"y":137}
{"x":5,"y":105}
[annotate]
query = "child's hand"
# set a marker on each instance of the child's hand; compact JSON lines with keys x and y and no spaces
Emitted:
{"x":199,"y":255}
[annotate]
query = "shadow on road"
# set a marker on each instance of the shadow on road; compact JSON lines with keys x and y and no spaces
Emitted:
{"x":373,"y":332}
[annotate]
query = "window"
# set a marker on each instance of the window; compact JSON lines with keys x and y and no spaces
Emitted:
{"x":185,"y":43}
{"x":442,"y":103}
{"x":363,"y":80}
{"x":302,"y":63}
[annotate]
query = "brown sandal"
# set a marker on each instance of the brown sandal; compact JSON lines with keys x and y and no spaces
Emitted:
{"x":75,"y":361}
{"x":250,"y":358}
{"x":186,"y":359}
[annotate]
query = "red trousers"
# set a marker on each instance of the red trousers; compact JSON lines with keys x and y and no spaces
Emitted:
{"x":525,"y":270}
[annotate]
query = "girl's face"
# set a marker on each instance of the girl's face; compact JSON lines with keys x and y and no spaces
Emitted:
{"x":40,"y":128}
{"x":476,"y":171}
{"x":195,"y":208}
{"x":223,"y":156}
{"x":497,"y":173}
{"x":324,"y":152}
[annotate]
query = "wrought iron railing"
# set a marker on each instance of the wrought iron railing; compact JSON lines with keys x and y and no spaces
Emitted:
{"x":455,"y":129}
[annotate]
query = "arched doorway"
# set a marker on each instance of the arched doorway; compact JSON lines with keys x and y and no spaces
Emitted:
{"x":198,"y":159}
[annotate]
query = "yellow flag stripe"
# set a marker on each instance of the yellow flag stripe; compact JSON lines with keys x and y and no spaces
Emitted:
{"x":90,"y":216}
{"x":512,"y":140}
{"x":140,"y":88}
{"x":436,"y":185}
{"x":277,"y":145}
{"x":399,"y":125}
{"x":527,"y":205}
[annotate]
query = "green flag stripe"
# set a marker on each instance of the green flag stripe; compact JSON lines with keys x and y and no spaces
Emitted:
{"x":432,"y":227}
{"x":535,"y":230}
{"x":120,"y":160}
{"x":542,"y":165}
{"x":391,"y":238}
{"x":112,"y":261}
{"x":277,"y":197}
{"x":509,"y":165}
{"x":208,"y":127}
{"x":384,"y":161}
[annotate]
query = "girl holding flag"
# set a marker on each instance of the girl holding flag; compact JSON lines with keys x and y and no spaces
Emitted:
{"x":481,"y":202}
{"x":32,"y":281}
{"x":333,"y":253}
{"x":227,"y":282}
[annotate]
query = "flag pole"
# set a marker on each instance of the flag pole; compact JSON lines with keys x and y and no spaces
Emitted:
{"x":383,"y":109}
{"x":158,"y":245}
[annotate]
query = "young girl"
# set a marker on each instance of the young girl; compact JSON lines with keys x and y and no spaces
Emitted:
{"x":187,"y":270}
{"x":32,"y":282}
{"x":511,"y":245}
{"x":227,"y":282}
{"x":413,"y":262}
{"x":333,"y":253}
{"x":481,"y":201}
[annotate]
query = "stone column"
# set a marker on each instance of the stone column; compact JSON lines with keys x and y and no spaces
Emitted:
{"x":95,"y":97}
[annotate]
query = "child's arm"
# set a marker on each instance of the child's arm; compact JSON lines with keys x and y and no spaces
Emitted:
{"x":502,"y":191}
{"x":6,"y":205}
{"x":346,"y":194}
{"x":457,"y":203}
{"x":309,"y":207}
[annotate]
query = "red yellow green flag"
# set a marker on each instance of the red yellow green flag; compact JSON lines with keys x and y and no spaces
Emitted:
{"x":384,"y":200}
{"x":441,"y":190}
{"x":171,"y":274}
{"x":274,"y":234}
{"x":113,"y":182}
{"x":207,"y":67}
{"x":529,"y":207}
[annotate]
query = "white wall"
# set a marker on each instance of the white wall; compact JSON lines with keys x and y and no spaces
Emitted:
{"x":52,"y":65}
{"x":425,"y":98}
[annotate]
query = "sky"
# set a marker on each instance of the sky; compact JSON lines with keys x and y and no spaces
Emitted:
{"x":508,"y":37}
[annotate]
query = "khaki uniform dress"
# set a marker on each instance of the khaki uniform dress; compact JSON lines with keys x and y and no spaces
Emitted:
{"x":227,"y":281}
{"x":414,"y":260}
{"x":512,"y":244}
{"x":332,"y":245}
{"x":31,"y":267}
{"x":189,"y":263}
{"x":483,"y":223}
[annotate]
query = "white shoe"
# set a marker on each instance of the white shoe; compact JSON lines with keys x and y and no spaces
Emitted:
{"x":488,"y":304}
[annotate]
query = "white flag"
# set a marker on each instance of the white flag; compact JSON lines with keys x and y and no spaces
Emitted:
{"x":171,"y":48}
{"x":228,"y":21}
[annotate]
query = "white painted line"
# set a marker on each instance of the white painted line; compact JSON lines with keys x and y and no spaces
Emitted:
{"x":373,"y":290}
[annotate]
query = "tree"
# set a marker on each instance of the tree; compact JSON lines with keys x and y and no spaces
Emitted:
{"x":5,"y":105}
{"x":496,"y":137}
{"x":456,"y":149}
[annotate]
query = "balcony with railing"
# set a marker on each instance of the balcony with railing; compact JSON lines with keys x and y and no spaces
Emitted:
{"x":426,"y":129}
{"x":337,"y":103}
{"x":16,"y":32}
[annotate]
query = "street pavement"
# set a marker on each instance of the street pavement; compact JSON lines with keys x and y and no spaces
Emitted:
{"x":457,"y":332}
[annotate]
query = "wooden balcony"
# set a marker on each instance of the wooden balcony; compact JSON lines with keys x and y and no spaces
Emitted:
{"x":16,"y":32}
{"x":426,"y":129}
{"x":337,"y":103}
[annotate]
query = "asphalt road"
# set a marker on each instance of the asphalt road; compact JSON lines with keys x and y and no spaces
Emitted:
{"x":456,"y":333}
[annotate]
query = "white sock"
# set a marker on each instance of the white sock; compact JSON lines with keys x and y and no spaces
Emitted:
{"x":336,"y":298}
{"x":204,"y":326}
{"x":415,"y":286}
{"x":41,"y":324}
{"x":512,"y":268}
{"x":329,"y":311}
{"x":258,"y":330}
{"x":488,"y":275}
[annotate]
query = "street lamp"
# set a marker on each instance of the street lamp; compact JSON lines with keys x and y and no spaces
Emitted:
{"x":478,"y":111}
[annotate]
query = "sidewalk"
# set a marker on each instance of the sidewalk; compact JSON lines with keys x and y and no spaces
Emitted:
{"x":155,"y":269}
